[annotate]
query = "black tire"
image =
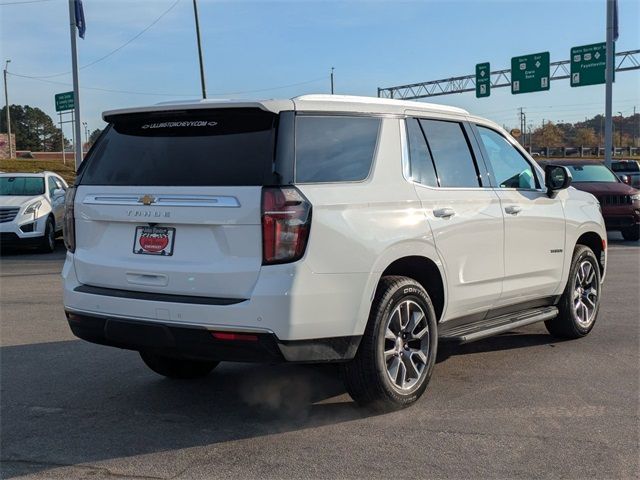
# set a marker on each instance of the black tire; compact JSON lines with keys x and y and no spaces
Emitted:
{"x":176,"y":367}
{"x":631,"y":234}
{"x":568,"y":325}
{"x":366,"y":377}
{"x":48,"y":242}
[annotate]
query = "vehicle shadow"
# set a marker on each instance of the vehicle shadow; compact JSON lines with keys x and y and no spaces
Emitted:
{"x":71,"y":402}
{"x":615,"y":239}
{"x":31,"y":253}
{"x":506,"y":341}
{"x":66,"y":403}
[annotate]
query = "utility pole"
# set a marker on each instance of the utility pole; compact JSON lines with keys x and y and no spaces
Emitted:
{"x":332,"y":80}
{"x":6,"y":100}
{"x":64,"y":158}
{"x":77,"y":145}
{"x":620,"y":130}
{"x":608,"y":127}
{"x":523,"y":127}
{"x":202,"y":81}
{"x":634,"y":130}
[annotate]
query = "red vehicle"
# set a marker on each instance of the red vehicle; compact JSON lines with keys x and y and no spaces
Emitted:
{"x":620,"y":203}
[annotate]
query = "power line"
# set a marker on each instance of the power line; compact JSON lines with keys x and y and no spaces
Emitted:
{"x":130,"y":92}
{"x":112,"y":52}
{"x":23,"y":3}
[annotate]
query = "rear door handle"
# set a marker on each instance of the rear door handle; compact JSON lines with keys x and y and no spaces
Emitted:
{"x":444,"y":212}
{"x":513,"y":209}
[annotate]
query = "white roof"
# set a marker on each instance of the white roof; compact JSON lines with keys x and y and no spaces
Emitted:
{"x":319,"y":103}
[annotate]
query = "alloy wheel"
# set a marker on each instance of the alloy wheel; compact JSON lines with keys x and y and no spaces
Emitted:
{"x":406,"y":345}
{"x":585,"y":294}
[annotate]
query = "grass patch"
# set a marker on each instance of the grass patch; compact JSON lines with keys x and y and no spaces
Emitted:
{"x":19,"y":165}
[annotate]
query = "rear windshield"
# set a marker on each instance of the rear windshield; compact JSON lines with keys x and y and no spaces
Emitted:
{"x":592,"y":173}
{"x":27,"y":186}
{"x":221,"y":147}
{"x":625,"y":167}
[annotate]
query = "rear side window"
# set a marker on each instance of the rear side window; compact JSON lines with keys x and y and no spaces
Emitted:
{"x":184,"y":148}
{"x":421,"y":163}
{"x":334,"y":149}
{"x":451,"y":154}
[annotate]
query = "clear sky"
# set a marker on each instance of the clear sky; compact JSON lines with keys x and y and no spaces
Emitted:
{"x":251,"y":48}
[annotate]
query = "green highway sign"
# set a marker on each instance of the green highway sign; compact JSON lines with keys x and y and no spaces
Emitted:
{"x":530,"y":73}
{"x":65,"y":101}
{"x":483,"y":80}
{"x":588,"y":64}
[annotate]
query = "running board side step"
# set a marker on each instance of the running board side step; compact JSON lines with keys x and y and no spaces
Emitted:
{"x":493,"y":326}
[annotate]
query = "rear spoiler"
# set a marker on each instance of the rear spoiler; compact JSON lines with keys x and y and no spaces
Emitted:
{"x":274,"y":106}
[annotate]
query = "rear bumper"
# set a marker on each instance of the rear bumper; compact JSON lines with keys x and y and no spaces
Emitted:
{"x":287,"y":300}
{"x":199,"y":342}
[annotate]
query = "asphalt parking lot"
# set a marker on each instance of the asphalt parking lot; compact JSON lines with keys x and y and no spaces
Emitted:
{"x":520,"y":405}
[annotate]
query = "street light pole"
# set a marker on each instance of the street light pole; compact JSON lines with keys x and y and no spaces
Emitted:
{"x":86,"y":134}
{"x":6,"y":99}
{"x":202,"y":82}
{"x":332,"y":80}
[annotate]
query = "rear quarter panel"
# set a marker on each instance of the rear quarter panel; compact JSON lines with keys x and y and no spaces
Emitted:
{"x":362,"y":227}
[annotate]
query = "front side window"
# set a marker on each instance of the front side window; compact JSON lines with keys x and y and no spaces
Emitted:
{"x":510,"y":169}
{"x":420,"y":161}
{"x":334,"y":149}
{"x":451,"y":153}
{"x":52,"y":185}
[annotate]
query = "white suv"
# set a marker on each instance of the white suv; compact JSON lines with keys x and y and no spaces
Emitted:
{"x":322,"y":229}
{"x":31,"y":209}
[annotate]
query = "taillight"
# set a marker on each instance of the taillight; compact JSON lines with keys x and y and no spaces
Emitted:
{"x":69,"y":225}
{"x":286,"y":219}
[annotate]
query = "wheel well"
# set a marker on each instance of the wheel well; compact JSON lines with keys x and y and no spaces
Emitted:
{"x":594,"y":242}
{"x":426,"y":273}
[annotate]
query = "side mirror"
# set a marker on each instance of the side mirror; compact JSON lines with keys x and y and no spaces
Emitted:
{"x":58,"y":192}
{"x":556,"y":177}
{"x":624,"y":179}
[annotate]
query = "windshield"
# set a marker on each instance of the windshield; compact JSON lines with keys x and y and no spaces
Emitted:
{"x":184,"y":148}
{"x":592,"y":173}
{"x":27,"y":186}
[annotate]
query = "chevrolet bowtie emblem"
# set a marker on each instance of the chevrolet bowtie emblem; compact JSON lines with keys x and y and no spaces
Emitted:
{"x":147,"y":199}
